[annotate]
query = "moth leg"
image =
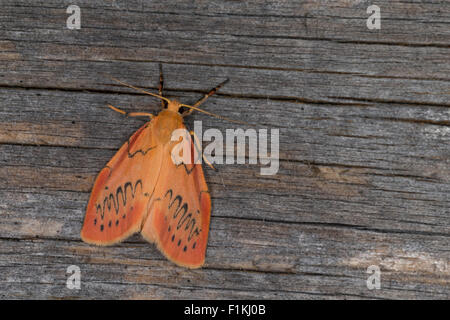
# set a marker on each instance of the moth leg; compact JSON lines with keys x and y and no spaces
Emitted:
{"x":161,"y":86}
{"x":197,"y":146}
{"x":131,"y":114}
{"x":206,"y":96}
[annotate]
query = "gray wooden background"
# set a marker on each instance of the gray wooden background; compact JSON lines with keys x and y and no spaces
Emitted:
{"x":364,"y":123}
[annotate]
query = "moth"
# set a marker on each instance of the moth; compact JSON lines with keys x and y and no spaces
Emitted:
{"x":141,"y":189}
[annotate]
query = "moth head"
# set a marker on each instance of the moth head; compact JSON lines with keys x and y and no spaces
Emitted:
{"x":174,"y":105}
{"x":180,"y":108}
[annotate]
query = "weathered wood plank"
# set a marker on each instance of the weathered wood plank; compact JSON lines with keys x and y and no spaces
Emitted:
{"x":281,"y":260}
{"x":316,"y":173}
{"x":276,"y":62}
{"x":364,"y":123}
{"x":66,"y":175}
{"x":275,"y":84}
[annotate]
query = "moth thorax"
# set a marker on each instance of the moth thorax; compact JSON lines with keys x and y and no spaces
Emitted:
{"x":168,"y":121}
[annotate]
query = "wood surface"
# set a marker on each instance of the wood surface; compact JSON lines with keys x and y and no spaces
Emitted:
{"x":364,"y":120}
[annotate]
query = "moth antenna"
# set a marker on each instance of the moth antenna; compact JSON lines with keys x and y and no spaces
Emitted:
{"x":214,"y":115}
{"x":206,"y":96}
{"x":210,"y":93}
{"x":138,"y":89}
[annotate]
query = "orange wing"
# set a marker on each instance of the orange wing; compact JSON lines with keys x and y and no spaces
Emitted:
{"x":179,"y":212}
{"x":122,"y":190}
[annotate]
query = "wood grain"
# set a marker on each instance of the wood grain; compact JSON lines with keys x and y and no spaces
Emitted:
{"x":364,"y":122}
